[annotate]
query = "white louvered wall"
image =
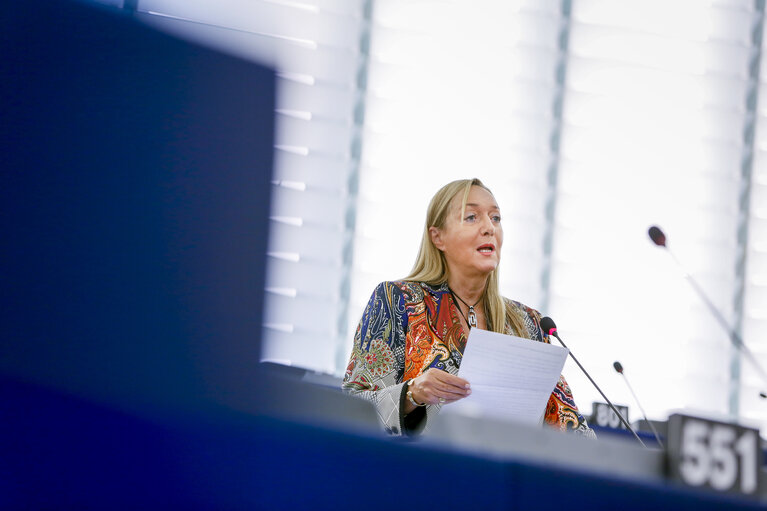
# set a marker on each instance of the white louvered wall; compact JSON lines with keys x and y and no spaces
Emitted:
{"x":456,"y":90}
{"x":655,"y":111}
{"x":754,"y":313}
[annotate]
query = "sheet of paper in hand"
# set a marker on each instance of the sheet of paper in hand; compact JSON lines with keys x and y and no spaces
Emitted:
{"x":511,"y":378}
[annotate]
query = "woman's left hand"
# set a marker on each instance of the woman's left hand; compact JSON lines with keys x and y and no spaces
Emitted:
{"x":439,"y":387}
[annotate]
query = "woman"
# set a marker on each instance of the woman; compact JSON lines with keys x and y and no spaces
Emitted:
{"x":409,"y":342}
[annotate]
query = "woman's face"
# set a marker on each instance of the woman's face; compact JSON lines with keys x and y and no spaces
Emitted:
{"x":472,"y":244}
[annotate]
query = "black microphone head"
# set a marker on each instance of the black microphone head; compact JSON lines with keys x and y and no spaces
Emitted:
{"x":657,"y":236}
{"x":548,"y":325}
{"x":618,"y":367}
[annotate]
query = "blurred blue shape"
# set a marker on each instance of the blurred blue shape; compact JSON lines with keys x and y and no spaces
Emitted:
{"x":134,"y":197}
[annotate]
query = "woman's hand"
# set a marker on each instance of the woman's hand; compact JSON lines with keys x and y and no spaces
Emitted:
{"x":438,"y":387}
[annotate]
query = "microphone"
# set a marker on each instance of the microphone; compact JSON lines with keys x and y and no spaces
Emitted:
{"x":618,"y":367}
{"x":548,"y":326}
{"x":659,"y":238}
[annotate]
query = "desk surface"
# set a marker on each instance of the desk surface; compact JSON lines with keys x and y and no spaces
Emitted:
{"x":63,"y":452}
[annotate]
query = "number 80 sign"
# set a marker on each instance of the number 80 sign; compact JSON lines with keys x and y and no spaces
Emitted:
{"x":717,"y":455}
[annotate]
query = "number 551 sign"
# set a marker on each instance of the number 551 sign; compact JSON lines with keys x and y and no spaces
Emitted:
{"x":717,"y":455}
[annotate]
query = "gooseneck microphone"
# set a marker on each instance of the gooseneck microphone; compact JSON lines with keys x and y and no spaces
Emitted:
{"x":659,"y":238}
{"x":618,"y":367}
{"x":548,"y":326}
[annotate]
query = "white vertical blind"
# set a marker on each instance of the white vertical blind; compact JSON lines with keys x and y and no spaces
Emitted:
{"x":754,"y":323}
{"x":318,"y":48}
{"x":456,"y":90}
{"x":653,"y":134}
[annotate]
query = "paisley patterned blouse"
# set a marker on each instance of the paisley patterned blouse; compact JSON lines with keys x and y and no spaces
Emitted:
{"x":408,"y":327}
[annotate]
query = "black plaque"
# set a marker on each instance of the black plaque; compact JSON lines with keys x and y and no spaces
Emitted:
{"x":715,"y":455}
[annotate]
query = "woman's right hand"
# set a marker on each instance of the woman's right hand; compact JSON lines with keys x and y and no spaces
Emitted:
{"x":438,"y":387}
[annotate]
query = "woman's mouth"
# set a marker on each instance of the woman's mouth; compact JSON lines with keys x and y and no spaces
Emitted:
{"x":486,"y":249}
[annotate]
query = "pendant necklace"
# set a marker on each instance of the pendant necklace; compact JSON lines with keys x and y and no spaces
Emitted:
{"x":471,"y":320}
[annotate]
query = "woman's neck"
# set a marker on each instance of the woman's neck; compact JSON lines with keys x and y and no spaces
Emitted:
{"x":470,"y":290}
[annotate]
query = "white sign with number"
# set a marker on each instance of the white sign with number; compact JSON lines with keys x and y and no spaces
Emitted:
{"x":604,"y":416}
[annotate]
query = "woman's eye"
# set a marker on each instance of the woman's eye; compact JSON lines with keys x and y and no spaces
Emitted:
{"x":470,"y":218}
{"x":496,"y":218}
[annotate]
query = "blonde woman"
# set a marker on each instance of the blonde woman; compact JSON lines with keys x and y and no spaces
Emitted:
{"x":409,"y":342}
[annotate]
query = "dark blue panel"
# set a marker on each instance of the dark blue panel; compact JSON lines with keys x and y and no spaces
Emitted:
{"x":68,"y":454}
{"x":134,"y":197}
{"x":543,"y":487}
{"x":65,"y":453}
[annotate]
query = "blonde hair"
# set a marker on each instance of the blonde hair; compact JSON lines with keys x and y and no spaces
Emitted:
{"x":431,"y":266}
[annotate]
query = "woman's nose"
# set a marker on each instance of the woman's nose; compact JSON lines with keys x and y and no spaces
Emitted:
{"x":487,"y":226}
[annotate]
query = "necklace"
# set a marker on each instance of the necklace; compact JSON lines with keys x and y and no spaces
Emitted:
{"x":472,"y":319}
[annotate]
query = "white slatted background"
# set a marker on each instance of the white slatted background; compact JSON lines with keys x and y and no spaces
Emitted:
{"x":318,"y":48}
{"x":456,"y":90}
{"x":655,"y":111}
{"x":752,"y":406}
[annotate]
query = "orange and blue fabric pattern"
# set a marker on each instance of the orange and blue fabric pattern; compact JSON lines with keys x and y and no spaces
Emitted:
{"x":409,"y":327}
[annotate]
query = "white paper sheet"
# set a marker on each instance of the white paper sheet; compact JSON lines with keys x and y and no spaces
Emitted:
{"x":511,"y":378}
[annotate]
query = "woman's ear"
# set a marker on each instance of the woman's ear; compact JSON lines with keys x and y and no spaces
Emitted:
{"x":436,"y":237}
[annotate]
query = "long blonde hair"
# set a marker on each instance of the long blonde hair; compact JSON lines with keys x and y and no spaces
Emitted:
{"x":431,"y":266}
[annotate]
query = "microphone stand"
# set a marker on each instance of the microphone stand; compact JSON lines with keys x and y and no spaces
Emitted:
{"x":619,"y":368}
{"x":553,"y":332}
{"x":659,"y":238}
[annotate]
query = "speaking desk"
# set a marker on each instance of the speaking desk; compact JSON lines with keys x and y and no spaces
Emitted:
{"x":64,"y":452}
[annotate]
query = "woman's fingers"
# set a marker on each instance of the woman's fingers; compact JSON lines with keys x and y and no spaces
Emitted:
{"x":450,"y":380}
{"x":446,"y":390}
{"x":436,"y":386}
{"x":450,"y":385}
